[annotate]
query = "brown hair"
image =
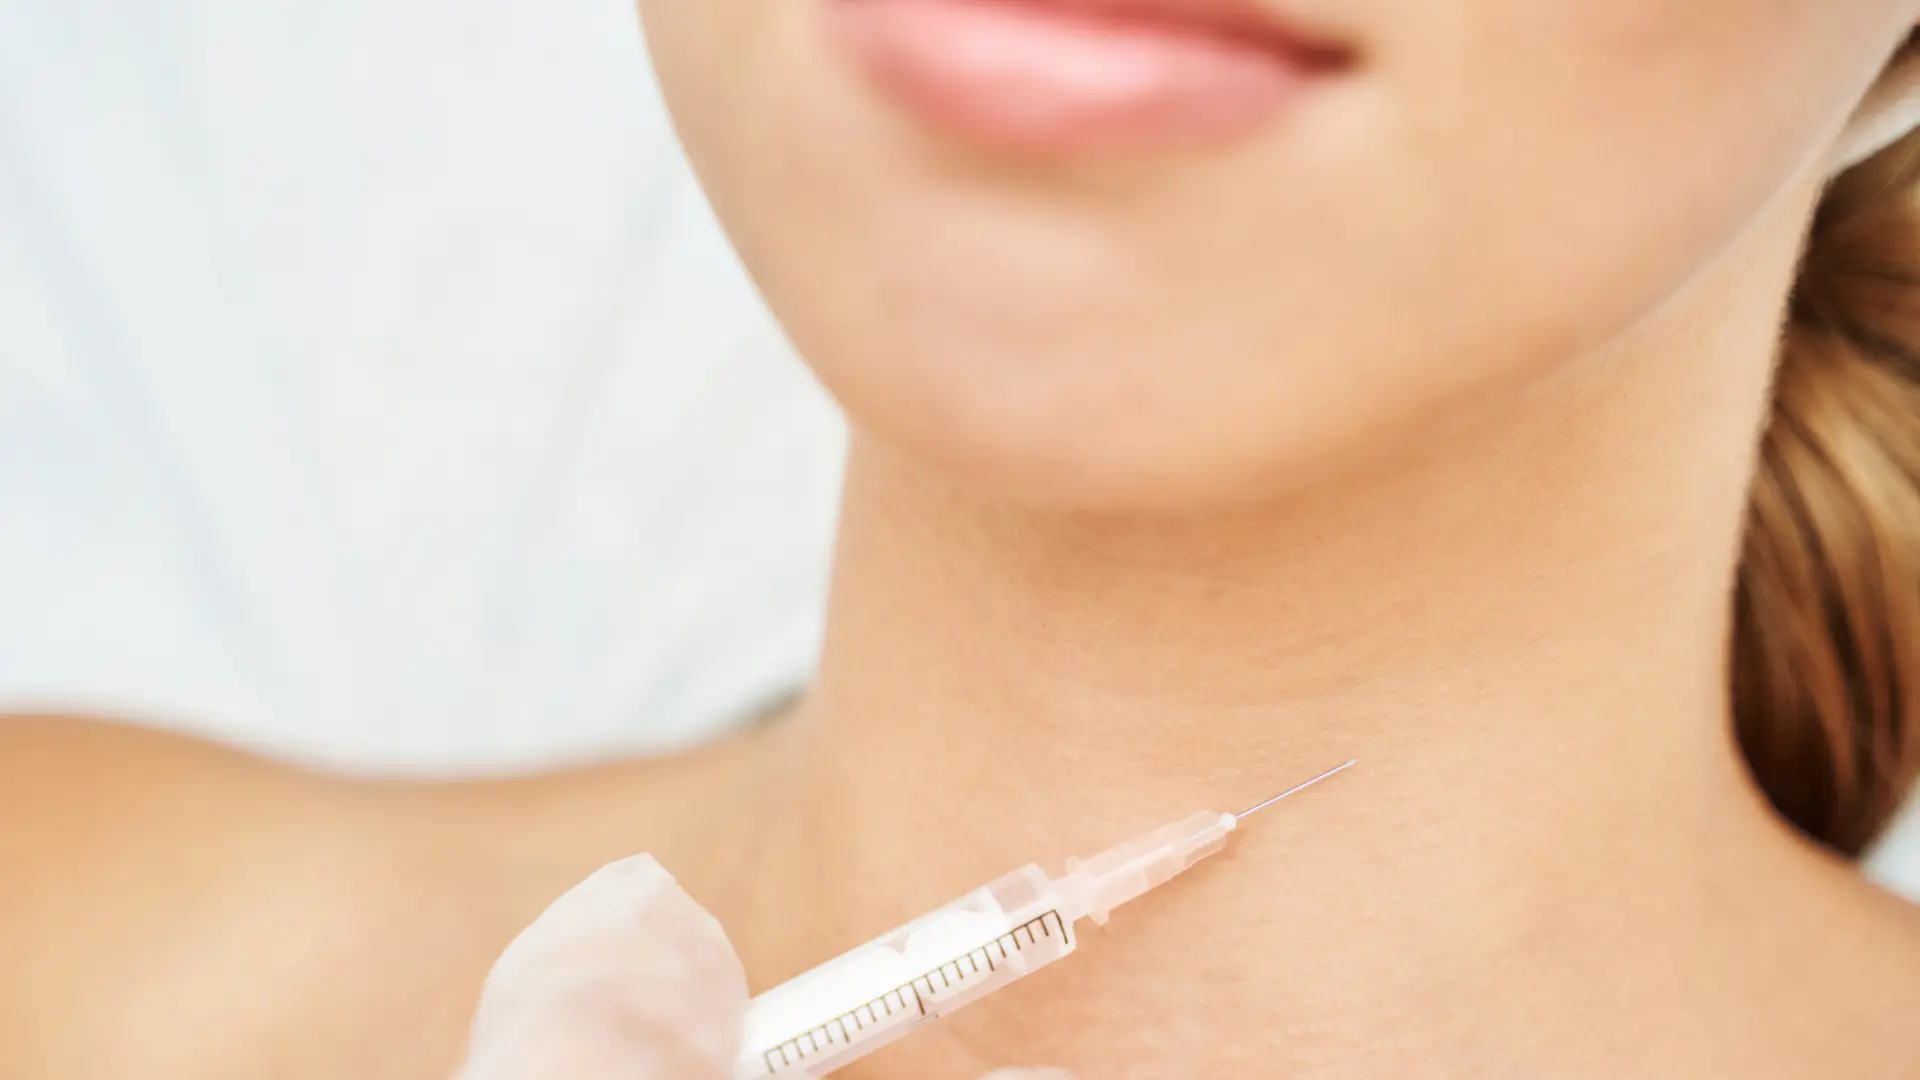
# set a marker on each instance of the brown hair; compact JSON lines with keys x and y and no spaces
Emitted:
{"x":1826,"y":654}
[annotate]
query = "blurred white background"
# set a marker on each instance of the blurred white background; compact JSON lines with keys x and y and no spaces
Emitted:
{"x":376,"y":390}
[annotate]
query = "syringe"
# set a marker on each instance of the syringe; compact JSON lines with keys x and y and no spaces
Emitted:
{"x":862,"y":1000}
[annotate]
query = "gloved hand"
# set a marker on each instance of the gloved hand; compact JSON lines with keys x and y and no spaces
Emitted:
{"x":623,"y":978}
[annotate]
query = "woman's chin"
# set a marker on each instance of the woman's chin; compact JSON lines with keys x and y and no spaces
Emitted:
{"x":1081,"y":459}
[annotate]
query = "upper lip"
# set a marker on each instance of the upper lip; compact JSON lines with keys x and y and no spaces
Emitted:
{"x":1242,"y":20}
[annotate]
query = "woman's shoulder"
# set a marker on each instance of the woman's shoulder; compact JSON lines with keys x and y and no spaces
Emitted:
{"x":173,"y":908}
{"x":165,"y":899}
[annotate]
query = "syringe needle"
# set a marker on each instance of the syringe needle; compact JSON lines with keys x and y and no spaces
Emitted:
{"x":1296,"y":789}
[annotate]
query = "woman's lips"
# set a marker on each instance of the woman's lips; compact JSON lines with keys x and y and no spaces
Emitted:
{"x":1066,"y":77}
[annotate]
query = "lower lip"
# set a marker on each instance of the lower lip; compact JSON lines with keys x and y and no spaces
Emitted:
{"x":1028,"y":77}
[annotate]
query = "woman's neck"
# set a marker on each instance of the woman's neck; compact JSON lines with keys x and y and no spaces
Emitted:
{"x":1531,"y":613}
{"x":1520,"y":629}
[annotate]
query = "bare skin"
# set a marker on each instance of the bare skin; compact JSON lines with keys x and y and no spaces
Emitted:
{"x":172,"y":909}
{"x":337,"y":928}
{"x":1550,"y":861}
{"x":1549,"y":864}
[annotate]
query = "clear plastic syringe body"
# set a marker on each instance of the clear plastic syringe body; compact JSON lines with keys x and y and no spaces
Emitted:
{"x":862,"y":1000}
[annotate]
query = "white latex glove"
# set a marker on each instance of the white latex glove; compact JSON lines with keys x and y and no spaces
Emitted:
{"x":623,"y":978}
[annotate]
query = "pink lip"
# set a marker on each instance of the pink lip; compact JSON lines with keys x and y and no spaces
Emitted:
{"x":1070,"y":77}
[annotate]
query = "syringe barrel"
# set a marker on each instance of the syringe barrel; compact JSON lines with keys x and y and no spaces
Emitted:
{"x":862,"y":1000}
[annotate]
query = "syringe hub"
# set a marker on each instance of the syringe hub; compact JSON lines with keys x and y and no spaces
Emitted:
{"x":1098,"y":885}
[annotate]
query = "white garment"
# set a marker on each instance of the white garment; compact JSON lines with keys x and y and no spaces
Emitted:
{"x":376,"y":389}
{"x":1895,"y":860}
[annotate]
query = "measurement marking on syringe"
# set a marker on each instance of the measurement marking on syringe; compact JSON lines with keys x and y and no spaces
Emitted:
{"x":814,"y":1040}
